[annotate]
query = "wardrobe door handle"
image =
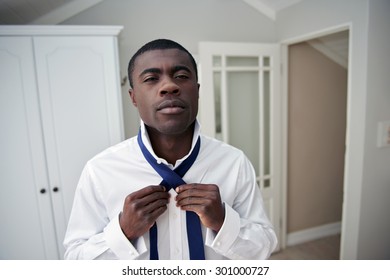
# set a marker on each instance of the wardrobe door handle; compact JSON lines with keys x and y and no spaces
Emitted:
{"x":56,"y":189}
{"x":42,"y":191}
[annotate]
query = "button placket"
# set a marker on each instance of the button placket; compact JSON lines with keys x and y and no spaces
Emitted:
{"x":175,"y":233}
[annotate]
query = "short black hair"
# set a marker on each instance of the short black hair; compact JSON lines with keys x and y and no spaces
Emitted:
{"x":158,"y":44}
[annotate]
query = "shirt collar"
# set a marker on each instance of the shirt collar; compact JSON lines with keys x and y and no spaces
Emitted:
{"x":148,"y":145}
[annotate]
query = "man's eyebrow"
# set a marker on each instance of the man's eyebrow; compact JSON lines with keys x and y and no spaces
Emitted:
{"x":150,"y":70}
{"x":175,"y":69}
{"x":181,"y":67}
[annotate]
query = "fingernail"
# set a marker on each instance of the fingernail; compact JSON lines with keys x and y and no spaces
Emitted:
{"x":177,"y":189}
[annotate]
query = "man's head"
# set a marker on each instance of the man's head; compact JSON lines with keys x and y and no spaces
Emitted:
{"x":164,"y":87}
{"x":159,"y":44}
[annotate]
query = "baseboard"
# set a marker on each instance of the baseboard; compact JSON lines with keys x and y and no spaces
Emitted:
{"x":314,"y":233}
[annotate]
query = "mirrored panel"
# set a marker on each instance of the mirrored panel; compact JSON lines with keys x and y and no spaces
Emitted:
{"x":243,"y":113}
{"x":217,"y":61}
{"x":266,"y":61}
{"x":242,"y":61}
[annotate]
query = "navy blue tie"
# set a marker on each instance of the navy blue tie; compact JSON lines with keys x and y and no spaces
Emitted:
{"x":172,"y":179}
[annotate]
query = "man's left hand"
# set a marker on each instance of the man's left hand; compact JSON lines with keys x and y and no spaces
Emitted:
{"x":205,"y":201}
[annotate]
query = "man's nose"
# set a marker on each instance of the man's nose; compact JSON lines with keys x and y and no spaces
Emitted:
{"x":169,"y":86}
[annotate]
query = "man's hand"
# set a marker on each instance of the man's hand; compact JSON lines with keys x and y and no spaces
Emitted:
{"x":141,"y":209}
{"x":205,"y":201}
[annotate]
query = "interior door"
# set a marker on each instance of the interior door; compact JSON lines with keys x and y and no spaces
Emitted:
{"x":27,"y":230}
{"x":240,"y":104}
{"x":77,"y":82}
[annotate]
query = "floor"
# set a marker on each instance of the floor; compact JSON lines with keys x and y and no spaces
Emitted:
{"x":327,"y":248}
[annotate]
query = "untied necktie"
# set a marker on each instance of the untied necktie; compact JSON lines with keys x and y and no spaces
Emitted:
{"x":172,"y":179}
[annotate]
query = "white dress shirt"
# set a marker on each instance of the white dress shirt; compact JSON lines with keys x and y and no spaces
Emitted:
{"x":94,"y":231}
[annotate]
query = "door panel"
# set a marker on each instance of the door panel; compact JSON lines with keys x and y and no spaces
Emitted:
{"x":79,"y":110}
{"x":240,"y":104}
{"x":25,"y":213}
{"x":243,"y":107}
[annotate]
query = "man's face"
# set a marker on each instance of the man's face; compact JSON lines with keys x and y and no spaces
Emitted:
{"x":165,"y":90}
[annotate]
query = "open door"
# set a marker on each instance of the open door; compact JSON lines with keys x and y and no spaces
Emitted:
{"x":240,"y":105}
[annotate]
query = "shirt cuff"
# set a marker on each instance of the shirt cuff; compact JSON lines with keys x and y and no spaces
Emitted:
{"x":224,"y":239}
{"x":120,"y":245}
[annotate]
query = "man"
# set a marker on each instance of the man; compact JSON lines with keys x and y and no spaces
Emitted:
{"x":170,"y":192}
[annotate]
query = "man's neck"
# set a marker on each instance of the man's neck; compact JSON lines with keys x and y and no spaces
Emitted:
{"x":171,"y":147}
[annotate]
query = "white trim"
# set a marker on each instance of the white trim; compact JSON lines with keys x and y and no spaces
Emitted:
{"x":352,"y":195}
{"x":316,"y":34}
{"x":261,"y":8}
{"x":319,"y":46}
{"x":284,"y":93}
{"x":57,"y":30}
{"x":284,"y":136}
{"x":65,"y":12}
{"x":313,"y":233}
{"x":224,"y":101}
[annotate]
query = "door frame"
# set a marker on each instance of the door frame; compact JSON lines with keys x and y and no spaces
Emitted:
{"x":284,"y":46}
{"x":208,"y":49}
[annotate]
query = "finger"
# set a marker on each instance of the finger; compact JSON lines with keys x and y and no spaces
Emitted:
{"x":206,"y":214}
{"x":144,"y":206}
{"x":148,"y":190}
{"x":190,"y":189}
{"x":198,"y":209}
{"x":151,"y":207}
{"x":158,"y":211}
{"x":197,"y":193}
{"x":146,"y":195}
{"x":134,"y":226}
{"x":150,"y":218}
{"x":196,"y":186}
{"x":153,"y":197}
{"x":211,"y":215}
{"x":196,"y":197}
{"x":193,"y":200}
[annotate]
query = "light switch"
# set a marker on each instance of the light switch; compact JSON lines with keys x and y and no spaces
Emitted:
{"x":384,"y":134}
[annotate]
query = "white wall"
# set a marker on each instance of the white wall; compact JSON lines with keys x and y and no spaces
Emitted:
{"x":366,"y":184}
{"x":367,"y":178}
{"x":374,"y":241}
{"x":186,"y":21}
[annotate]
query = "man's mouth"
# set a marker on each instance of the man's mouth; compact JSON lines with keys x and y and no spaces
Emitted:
{"x":171,"y":107}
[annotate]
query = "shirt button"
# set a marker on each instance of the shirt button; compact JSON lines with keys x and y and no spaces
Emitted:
{"x":218,"y":244}
{"x":174,"y":215}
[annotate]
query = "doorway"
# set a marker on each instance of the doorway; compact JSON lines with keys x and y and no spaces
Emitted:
{"x":316,"y":128}
{"x":240,"y":104}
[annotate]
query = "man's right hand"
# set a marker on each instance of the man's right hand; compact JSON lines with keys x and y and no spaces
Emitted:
{"x":141,"y":209}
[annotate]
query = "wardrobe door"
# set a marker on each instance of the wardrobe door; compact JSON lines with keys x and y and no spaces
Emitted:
{"x":26,"y":220}
{"x":81,"y":110}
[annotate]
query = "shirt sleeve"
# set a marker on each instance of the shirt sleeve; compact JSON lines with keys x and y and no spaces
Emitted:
{"x":247,"y":232}
{"x":90,"y":233}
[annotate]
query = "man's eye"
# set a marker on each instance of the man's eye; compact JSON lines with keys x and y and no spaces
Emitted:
{"x":150,"y":79}
{"x":182,"y":76}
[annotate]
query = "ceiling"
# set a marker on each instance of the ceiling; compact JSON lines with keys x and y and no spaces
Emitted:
{"x":56,"y":11}
{"x":15,"y":12}
{"x":334,"y":46}
{"x":41,"y":11}
{"x":24,"y":11}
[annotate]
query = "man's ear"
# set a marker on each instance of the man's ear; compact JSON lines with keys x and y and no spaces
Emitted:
{"x":132,"y":96}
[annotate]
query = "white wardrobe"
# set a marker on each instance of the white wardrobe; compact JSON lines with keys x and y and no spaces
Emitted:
{"x":60,"y":104}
